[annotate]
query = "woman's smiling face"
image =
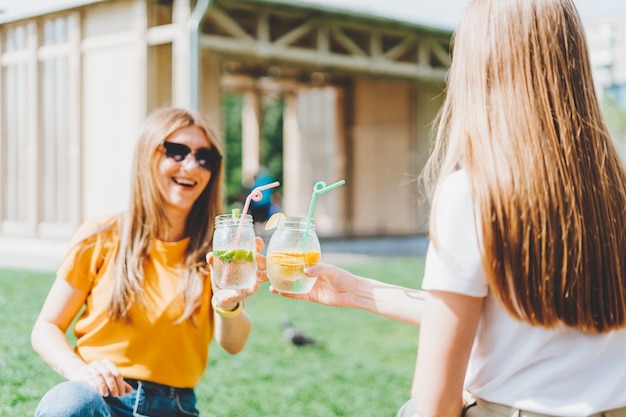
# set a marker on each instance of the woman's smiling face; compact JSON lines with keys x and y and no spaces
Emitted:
{"x":182,"y":182}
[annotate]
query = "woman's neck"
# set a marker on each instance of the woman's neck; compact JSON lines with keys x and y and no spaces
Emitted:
{"x":176,"y":229}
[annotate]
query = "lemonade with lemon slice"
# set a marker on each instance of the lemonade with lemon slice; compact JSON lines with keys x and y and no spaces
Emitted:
{"x":285,"y":271}
{"x":293,"y":247}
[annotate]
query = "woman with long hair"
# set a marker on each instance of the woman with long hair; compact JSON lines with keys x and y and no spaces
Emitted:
{"x":139,"y":286}
{"x":525,"y":309}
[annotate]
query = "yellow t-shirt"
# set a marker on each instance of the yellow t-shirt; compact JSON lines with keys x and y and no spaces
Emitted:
{"x":151,"y":347}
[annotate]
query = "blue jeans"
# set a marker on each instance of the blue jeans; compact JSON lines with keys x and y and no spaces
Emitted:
{"x":77,"y":399}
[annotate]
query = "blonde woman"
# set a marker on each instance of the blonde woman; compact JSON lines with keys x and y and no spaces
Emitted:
{"x":141,"y":284}
{"x":525,"y":310}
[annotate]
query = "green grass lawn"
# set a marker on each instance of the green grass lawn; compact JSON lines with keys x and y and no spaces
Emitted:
{"x":363,"y":368}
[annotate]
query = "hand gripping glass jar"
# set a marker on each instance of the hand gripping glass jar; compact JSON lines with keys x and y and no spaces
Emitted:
{"x":293,"y":246}
{"x":234,"y":252}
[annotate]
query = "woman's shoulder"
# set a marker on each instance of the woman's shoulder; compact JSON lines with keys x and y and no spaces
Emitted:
{"x":92,"y":243}
{"x":95,"y":228}
{"x":458,"y":179}
{"x":454,"y":213}
{"x":454,"y":189}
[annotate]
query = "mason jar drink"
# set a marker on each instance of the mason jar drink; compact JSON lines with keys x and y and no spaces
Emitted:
{"x":293,"y":246}
{"x":234,"y":252}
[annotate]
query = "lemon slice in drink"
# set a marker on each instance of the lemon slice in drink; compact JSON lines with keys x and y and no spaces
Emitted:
{"x":274,"y":221}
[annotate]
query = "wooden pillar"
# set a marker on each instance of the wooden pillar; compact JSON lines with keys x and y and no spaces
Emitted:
{"x":251,"y":135}
{"x":211,"y":93}
{"x":75,"y":216}
{"x":291,"y":155}
{"x":31,"y":171}
{"x":180,"y":54}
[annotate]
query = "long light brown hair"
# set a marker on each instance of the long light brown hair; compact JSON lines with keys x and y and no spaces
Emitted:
{"x":145,"y":219}
{"x":521,"y":116}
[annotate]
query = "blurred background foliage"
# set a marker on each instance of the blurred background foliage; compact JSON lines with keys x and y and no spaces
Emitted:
{"x":271,"y":149}
{"x":615,"y":115}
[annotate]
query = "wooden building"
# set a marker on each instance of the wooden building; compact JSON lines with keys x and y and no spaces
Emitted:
{"x":77,"y":78}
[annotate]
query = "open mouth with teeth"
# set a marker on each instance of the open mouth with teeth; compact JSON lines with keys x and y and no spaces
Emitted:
{"x":184,"y":182}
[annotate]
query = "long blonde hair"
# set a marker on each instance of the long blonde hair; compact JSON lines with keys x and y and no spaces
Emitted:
{"x":521,"y":116}
{"x":145,"y":219}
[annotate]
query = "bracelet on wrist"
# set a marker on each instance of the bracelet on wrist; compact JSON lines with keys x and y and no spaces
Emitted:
{"x":227,"y":313}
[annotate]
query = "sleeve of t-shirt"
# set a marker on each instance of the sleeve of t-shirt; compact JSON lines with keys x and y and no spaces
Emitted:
{"x":453,"y":259}
{"x":80,"y":264}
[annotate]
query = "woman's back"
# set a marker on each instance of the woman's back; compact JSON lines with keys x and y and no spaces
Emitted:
{"x":535,"y":368}
{"x":560,"y":371}
{"x":522,"y":118}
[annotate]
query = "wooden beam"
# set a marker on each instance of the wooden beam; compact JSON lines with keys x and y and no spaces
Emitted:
{"x":346,"y":41}
{"x":227,"y":23}
{"x":314,"y":59}
{"x":297,"y":33}
{"x":438,"y":50}
{"x":376,"y":44}
{"x":363,"y":45}
{"x":263,"y":26}
{"x":401,"y":48}
{"x":323,"y":38}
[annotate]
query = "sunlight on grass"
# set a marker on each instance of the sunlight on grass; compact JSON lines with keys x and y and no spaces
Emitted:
{"x":363,"y":367}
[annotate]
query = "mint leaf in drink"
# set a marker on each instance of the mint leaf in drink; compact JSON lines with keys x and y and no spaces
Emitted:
{"x":234,"y":255}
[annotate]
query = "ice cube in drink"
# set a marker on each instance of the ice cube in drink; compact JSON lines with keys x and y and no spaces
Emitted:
{"x":234,"y":268}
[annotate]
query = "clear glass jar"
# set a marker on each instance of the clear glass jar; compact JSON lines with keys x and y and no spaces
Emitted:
{"x":234,"y":252}
{"x":293,"y":246}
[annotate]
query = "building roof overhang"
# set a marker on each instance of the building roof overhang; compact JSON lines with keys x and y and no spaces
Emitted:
{"x":306,"y":34}
{"x":280,"y":32}
{"x":12,"y":10}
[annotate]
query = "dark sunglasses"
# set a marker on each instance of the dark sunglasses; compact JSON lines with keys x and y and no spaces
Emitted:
{"x":207,"y":158}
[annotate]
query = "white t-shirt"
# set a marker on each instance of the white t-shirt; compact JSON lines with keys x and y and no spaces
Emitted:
{"x":562,"y":372}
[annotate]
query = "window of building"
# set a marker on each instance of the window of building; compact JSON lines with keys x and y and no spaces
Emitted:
{"x":14,"y":144}
{"x":36,"y":144}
